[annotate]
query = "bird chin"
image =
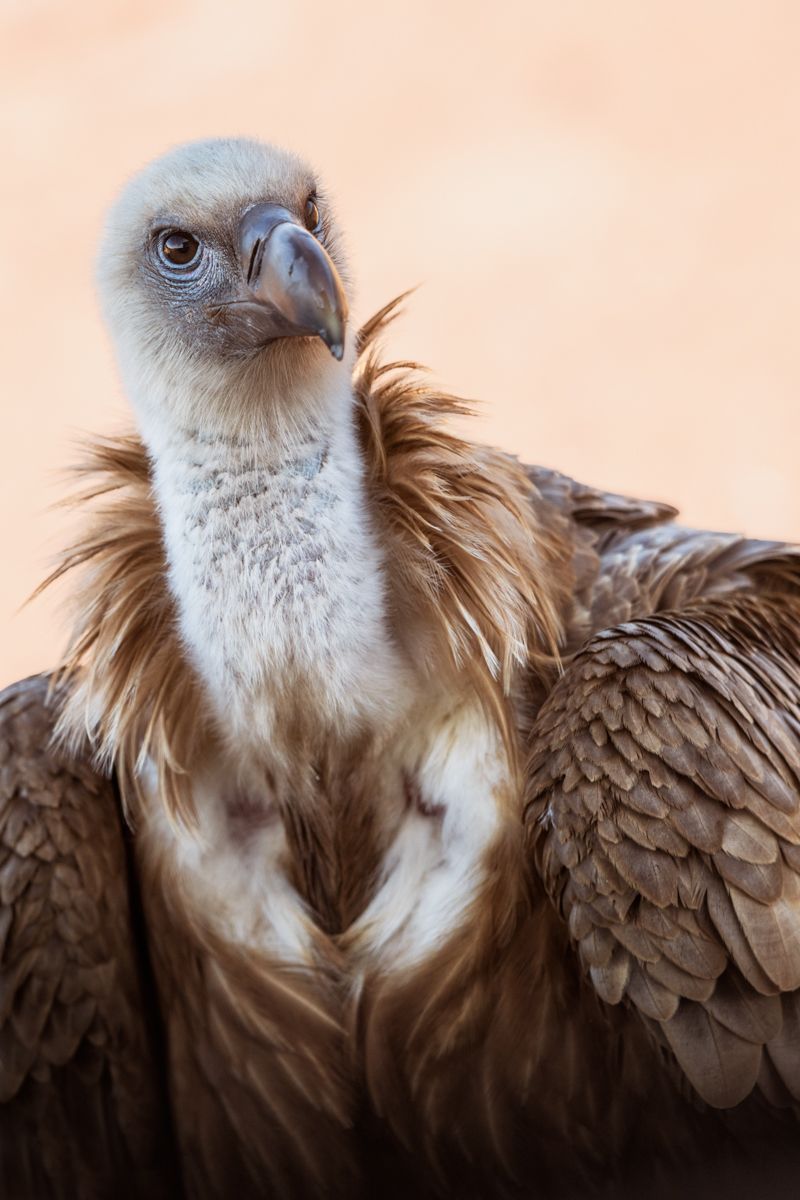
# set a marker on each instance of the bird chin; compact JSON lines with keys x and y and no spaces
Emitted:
{"x":293,"y":372}
{"x":241,"y":331}
{"x":294,"y":352}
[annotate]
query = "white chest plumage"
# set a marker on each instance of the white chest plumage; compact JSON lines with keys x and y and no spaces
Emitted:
{"x":443,"y":786}
{"x":280,"y":587}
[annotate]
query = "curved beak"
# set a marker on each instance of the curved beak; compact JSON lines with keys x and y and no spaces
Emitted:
{"x":291,"y":274}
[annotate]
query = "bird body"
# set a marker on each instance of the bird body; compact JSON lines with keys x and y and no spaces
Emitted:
{"x":464,"y":798}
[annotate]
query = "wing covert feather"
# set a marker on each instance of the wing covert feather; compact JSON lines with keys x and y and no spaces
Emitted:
{"x":664,"y":817}
{"x":81,"y":1111}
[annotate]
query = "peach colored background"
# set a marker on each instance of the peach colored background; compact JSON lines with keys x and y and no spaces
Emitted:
{"x":601,"y":200}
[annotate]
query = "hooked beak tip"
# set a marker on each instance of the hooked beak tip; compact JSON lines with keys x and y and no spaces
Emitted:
{"x":289,"y":271}
{"x":332,"y":326}
{"x":333,"y":337}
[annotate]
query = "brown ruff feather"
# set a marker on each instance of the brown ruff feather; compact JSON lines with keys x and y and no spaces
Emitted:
{"x":467,"y":556}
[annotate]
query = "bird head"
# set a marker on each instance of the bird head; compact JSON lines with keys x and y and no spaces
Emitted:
{"x":223,"y":284}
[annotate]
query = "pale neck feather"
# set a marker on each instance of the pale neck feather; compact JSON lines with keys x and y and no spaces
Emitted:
{"x":278,"y":577}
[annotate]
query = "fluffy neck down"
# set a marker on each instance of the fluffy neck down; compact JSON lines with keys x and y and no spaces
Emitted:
{"x":279,"y":583}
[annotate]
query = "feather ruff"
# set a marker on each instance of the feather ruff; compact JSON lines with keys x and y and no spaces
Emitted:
{"x":466,"y":556}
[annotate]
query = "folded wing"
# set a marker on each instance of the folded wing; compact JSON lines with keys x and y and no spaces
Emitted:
{"x":81,"y":1109}
{"x":664,"y":805}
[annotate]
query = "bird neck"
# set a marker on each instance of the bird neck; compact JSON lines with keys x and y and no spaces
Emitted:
{"x":279,"y":578}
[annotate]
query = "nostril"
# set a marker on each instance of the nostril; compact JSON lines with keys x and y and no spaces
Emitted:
{"x":254,"y":266}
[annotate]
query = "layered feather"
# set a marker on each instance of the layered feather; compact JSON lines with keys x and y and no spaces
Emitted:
{"x":467,"y":556}
{"x":664,"y":810}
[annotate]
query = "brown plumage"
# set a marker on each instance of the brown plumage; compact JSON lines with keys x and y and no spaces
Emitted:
{"x":77,"y":1044}
{"x":534,"y":934}
{"x":466,"y":550}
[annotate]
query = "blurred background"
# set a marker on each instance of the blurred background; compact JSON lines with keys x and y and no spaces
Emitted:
{"x":601,"y":202}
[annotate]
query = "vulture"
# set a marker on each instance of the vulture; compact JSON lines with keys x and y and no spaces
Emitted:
{"x":401,"y":821}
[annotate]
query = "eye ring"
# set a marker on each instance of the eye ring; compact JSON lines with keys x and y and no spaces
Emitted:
{"x":179,"y":249}
{"x":312,"y":216}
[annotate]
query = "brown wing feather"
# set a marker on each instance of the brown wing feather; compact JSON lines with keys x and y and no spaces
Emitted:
{"x":260,"y":1069}
{"x":630,"y":560}
{"x":664,"y":812}
{"x":596,"y":510}
{"x":80,"y":1106}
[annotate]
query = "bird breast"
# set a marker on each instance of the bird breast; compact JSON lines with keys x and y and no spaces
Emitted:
{"x":385,"y":847}
{"x":343,"y":787}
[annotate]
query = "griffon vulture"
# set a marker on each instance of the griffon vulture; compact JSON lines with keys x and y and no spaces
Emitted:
{"x":401,"y":820}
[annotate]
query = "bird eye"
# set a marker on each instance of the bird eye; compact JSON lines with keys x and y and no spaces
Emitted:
{"x":178,"y":249}
{"x":312,"y":217}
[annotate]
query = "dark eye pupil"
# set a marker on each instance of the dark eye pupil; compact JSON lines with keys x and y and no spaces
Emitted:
{"x":180,"y":248}
{"x":312,"y":215}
